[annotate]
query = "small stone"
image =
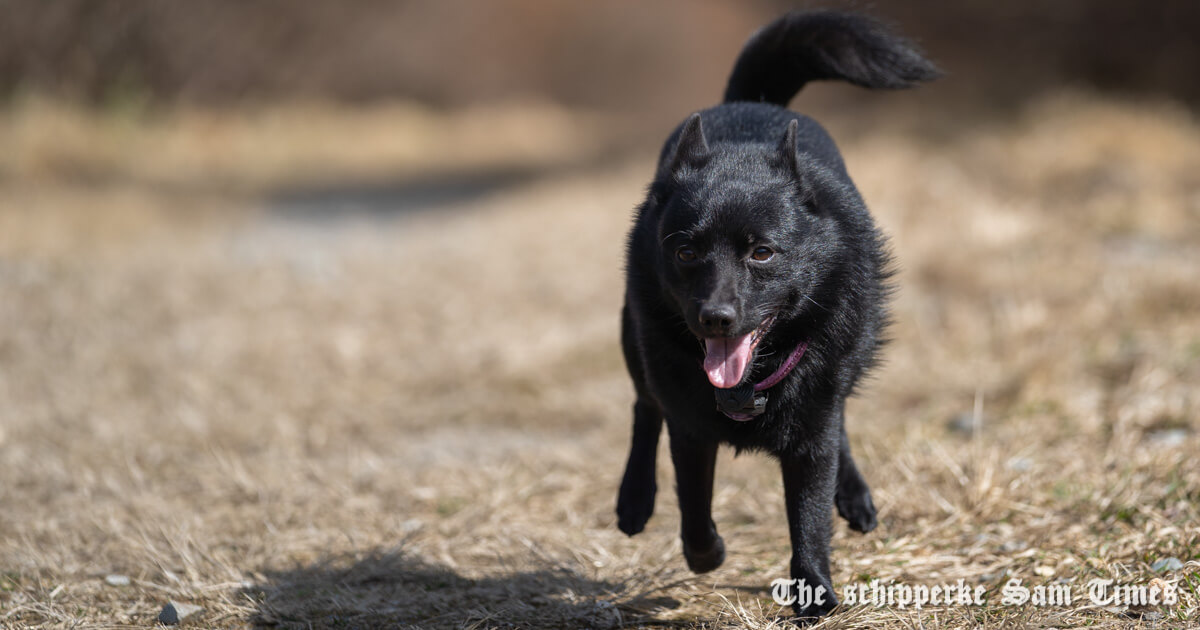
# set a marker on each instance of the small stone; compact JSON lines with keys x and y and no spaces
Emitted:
{"x":965,"y":423}
{"x":1010,"y":546}
{"x":1044,"y":571}
{"x":602,"y":615}
{"x":116,"y":579}
{"x":1166,"y":564}
{"x":168,"y":615}
{"x":175,"y":612}
{"x":1168,"y":437}
{"x":1019,"y":464}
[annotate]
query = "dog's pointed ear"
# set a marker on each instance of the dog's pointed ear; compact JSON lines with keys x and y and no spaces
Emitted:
{"x":691,"y":149}
{"x":790,"y":159}
{"x":787,"y":148}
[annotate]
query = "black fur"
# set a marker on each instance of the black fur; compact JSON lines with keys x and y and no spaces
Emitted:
{"x":801,"y":47}
{"x":733,"y":178}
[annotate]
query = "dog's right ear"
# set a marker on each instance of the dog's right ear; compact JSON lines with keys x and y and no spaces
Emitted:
{"x":691,"y":149}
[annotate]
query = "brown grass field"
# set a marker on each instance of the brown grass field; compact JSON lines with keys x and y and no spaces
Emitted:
{"x":420,"y":418}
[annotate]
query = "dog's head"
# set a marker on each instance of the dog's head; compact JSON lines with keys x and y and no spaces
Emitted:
{"x":743,"y":241}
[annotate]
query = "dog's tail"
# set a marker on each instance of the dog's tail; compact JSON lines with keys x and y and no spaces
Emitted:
{"x":808,"y":46}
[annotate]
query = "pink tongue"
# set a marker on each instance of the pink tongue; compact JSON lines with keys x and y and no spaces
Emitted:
{"x":725,"y":360}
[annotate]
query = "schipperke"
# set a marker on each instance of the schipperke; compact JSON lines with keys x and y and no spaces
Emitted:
{"x":756,"y":292}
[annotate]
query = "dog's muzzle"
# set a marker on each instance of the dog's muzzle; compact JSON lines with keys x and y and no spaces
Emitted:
{"x":749,"y":400}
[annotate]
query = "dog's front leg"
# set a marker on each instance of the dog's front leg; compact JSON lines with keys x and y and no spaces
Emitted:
{"x":809,"y":481}
{"x":635,"y":501}
{"x":695,"y":462}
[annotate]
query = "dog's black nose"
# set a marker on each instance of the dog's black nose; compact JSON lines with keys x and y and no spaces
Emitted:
{"x":717,"y":318}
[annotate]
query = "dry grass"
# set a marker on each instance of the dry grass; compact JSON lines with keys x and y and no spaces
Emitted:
{"x":422,"y":420}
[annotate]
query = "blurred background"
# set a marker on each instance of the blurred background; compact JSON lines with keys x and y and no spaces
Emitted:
{"x":305,"y":305}
{"x":624,"y":56}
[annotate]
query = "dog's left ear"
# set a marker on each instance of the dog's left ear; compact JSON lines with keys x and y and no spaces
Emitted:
{"x":791,"y":161}
{"x":787,"y":147}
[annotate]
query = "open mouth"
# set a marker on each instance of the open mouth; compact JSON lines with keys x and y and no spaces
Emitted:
{"x":726,"y":359}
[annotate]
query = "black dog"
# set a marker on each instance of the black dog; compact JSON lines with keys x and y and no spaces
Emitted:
{"x":757,"y":277}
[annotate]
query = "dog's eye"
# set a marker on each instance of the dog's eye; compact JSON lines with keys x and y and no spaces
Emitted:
{"x":762,"y":254}
{"x":686,"y":254}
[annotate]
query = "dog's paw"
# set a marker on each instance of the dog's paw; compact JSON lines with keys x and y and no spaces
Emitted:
{"x":635,"y":506}
{"x":810,"y":614}
{"x":705,"y":560}
{"x":858,"y":509}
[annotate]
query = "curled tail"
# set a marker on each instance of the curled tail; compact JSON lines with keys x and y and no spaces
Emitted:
{"x":808,"y":46}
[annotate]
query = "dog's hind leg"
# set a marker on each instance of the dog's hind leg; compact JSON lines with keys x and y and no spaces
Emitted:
{"x":853,"y":497}
{"x":635,"y":500}
{"x":695,"y":463}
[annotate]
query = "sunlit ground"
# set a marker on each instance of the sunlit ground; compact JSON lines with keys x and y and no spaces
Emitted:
{"x":311,"y":366}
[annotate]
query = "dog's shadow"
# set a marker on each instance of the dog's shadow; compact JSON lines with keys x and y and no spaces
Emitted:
{"x":388,"y":589}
